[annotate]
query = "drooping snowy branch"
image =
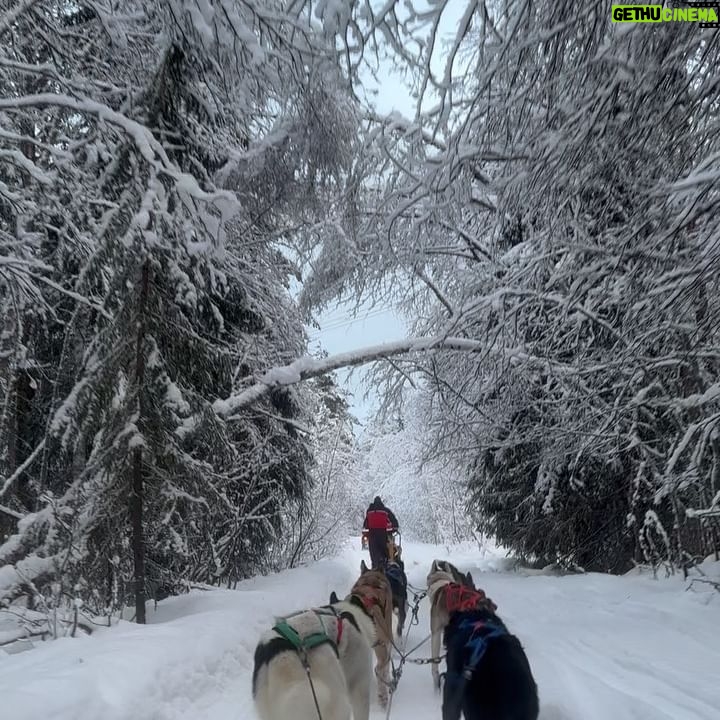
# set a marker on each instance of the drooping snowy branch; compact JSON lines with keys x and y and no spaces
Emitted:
{"x":308,"y":367}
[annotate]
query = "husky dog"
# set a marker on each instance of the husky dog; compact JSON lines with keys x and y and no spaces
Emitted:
{"x":373,"y":594}
{"x":442,"y":574}
{"x":488,"y":674}
{"x":445,"y":567}
{"x":395,"y":572}
{"x":328,"y":676}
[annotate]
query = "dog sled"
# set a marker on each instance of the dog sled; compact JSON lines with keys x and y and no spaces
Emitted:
{"x":394,"y":544}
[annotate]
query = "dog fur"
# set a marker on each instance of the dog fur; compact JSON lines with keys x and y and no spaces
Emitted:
{"x":398,"y":584}
{"x":501,"y":687}
{"x":441,"y":573}
{"x":372,"y":592}
{"x":341,"y":675}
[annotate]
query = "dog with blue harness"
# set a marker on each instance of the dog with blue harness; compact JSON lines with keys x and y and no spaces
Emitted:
{"x":395,"y":573}
{"x":488,"y":674}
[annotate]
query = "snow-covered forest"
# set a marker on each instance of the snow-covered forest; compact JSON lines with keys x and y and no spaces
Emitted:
{"x":186,"y":184}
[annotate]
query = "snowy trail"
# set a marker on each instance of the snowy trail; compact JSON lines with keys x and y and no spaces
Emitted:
{"x":601,"y":648}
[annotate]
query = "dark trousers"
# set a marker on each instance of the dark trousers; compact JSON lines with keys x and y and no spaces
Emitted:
{"x":377,"y":544}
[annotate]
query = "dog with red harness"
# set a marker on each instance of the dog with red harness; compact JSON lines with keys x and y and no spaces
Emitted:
{"x":448,"y":590}
{"x":372,"y":593}
{"x":488,"y":674}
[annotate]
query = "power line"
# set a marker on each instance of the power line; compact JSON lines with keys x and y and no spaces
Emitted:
{"x":344,"y":314}
{"x":336,"y":325}
{"x":346,"y":319}
{"x":350,"y":321}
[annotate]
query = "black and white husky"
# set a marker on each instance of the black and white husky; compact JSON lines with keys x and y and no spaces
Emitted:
{"x":324,"y":671}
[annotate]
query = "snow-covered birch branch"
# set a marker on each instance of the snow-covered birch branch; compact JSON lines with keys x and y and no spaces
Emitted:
{"x":7,"y":484}
{"x":305,"y":368}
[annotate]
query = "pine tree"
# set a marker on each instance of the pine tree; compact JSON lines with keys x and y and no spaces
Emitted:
{"x":156,"y":293}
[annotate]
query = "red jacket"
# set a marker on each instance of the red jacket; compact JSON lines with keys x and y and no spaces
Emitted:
{"x":378,"y":520}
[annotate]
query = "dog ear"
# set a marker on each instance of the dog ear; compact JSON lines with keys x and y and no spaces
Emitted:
{"x":334,"y":598}
{"x":363,"y":567}
{"x":469,"y":580}
{"x":434,"y":567}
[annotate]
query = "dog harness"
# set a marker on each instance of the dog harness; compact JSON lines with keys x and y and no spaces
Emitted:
{"x":479,"y":635}
{"x":313,"y":640}
{"x":308,"y":642}
{"x":368,"y":601}
{"x":460,"y":598}
{"x":394,"y":573}
{"x":480,"y":632}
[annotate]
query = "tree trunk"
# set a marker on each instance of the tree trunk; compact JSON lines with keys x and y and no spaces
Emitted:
{"x":714,"y":489}
{"x":136,"y":495}
{"x":26,"y":490}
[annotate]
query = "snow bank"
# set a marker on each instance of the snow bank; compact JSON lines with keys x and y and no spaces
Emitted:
{"x":194,"y":659}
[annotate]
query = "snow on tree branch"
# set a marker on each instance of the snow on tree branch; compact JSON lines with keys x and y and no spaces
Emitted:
{"x":309,"y":367}
{"x":142,"y":137}
{"x":11,"y":16}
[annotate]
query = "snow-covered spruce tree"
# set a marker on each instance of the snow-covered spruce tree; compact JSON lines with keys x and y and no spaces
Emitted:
{"x":556,"y":202}
{"x":44,"y":241}
{"x":176,"y":292}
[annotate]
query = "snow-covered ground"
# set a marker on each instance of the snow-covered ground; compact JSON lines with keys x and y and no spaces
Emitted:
{"x":601,"y":648}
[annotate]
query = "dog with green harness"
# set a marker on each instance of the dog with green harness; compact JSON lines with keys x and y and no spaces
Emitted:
{"x":316,"y":665}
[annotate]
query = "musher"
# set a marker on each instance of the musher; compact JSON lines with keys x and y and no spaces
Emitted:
{"x":379,"y":523}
